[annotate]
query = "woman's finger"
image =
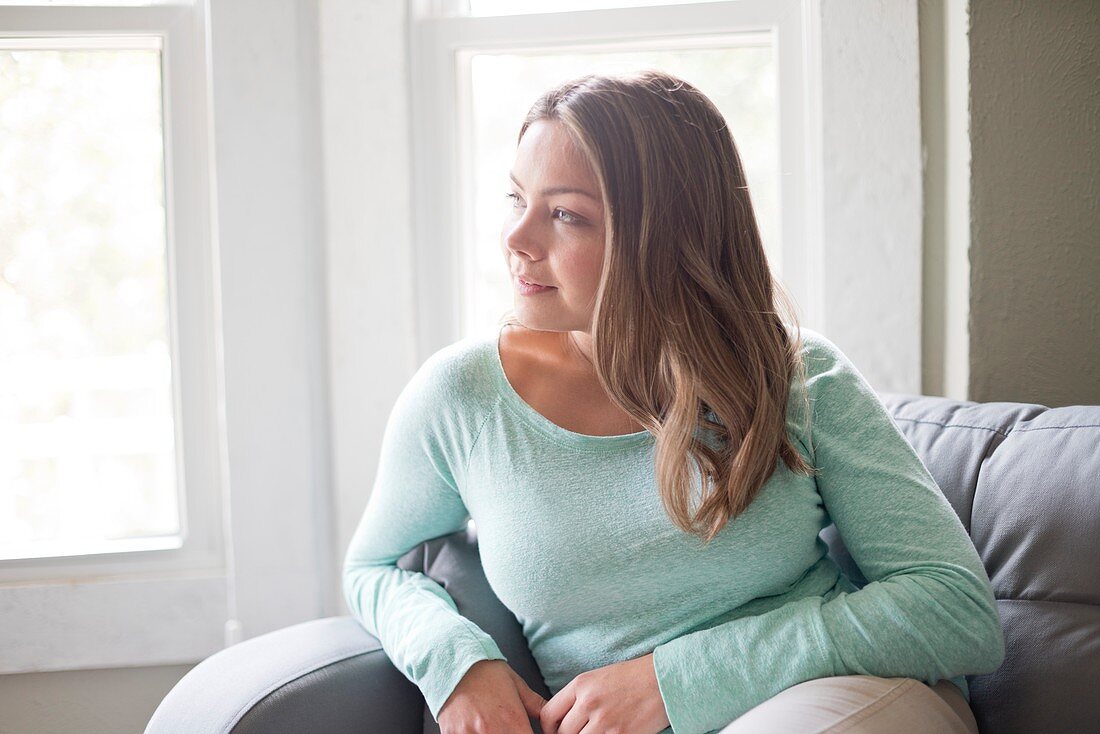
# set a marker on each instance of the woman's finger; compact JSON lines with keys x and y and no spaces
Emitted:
{"x":556,"y":709}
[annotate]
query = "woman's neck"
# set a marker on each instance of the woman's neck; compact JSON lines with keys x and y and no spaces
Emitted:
{"x":577,"y":345}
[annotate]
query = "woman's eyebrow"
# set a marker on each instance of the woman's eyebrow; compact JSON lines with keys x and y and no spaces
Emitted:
{"x":557,"y":189}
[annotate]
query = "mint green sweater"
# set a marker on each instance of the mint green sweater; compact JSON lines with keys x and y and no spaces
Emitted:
{"x":575,"y":542}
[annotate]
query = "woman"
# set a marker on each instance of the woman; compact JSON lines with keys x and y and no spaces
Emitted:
{"x":649,"y":453}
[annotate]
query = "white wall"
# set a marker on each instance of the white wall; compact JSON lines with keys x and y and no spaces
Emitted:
{"x":872,"y":207}
{"x":366,"y":133}
{"x":272,"y":254}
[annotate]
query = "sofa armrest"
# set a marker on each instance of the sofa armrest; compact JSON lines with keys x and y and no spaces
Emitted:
{"x":328,"y":676}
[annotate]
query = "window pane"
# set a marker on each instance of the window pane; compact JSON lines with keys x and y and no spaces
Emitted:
{"x":87,"y":446}
{"x":739,"y":77}
{"x":519,"y":7}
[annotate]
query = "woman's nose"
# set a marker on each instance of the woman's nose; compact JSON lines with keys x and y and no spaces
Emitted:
{"x":520,"y":235}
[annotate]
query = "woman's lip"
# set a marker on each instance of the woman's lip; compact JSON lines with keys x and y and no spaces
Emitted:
{"x":528,"y":289}
{"x":528,"y":282}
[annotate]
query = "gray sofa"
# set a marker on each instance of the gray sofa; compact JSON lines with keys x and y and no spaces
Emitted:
{"x":1024,"y":479}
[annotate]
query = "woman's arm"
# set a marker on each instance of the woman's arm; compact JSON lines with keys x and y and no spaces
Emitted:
{"x":415,"y":498}
{"x":927,"y":611}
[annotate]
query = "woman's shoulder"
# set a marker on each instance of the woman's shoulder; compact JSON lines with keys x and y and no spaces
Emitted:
{"x":812,"y":339}
{"x":826,"y":367}
{"x":442,"y":407}
{"x":817,"y":351}
{"x":459,"y":374}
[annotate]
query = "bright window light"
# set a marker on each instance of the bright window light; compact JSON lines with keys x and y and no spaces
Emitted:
{"x":87,"y":430}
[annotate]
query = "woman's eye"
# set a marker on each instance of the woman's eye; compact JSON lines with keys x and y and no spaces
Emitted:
{"x":567,"y":217}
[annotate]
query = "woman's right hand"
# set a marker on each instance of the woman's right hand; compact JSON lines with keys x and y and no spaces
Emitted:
{"x":490,"y":699}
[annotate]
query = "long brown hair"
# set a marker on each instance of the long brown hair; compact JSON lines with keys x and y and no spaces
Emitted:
{"x":686,"y":335}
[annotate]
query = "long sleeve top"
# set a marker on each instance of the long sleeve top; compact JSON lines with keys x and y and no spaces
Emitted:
{"x":575,"y":542}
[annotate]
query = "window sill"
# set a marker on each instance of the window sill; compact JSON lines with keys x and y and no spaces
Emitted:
{"x":74,"y":625}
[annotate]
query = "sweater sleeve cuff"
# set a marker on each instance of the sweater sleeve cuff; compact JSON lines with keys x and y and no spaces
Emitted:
{"x":449,"y":667}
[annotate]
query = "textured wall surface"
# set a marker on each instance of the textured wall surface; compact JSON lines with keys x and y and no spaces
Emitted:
{"x":1035,"y":231}
{"x":103,"y":701}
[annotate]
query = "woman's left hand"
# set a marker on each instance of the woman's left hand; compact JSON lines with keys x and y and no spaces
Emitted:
{"x":615,"y":699}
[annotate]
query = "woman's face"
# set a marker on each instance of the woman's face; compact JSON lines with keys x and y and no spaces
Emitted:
{"x":553,"y":230}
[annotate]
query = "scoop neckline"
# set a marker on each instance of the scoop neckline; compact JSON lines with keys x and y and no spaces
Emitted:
{"x":537,"y":420}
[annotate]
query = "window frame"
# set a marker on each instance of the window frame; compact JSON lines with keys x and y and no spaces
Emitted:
{"x":162,"y":606}
{"x":440,"y":43}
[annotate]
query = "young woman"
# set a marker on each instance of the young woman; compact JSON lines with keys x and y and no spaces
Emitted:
{"x":649,"y":453}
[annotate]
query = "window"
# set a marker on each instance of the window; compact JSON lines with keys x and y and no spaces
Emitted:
{"x":482,"y":64}
{"x":86,"y":408}
{"x":110,"y":448}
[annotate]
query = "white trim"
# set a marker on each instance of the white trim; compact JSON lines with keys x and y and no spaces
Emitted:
{"x":945,"y":134}
{"x":93,"y":3}
{"x":150,"y":43}
{"x":44,"y":600}
{"x":271,"y":278}
{"x":126,"y":622}
{"x":804,"y":274}
{"x":956,"y":200}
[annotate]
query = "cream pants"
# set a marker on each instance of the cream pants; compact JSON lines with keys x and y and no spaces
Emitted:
{"x":860,"y":704}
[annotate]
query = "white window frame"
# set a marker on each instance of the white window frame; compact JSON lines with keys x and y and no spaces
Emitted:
{"x":151,"y":606}
{"x":441,"y":42}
